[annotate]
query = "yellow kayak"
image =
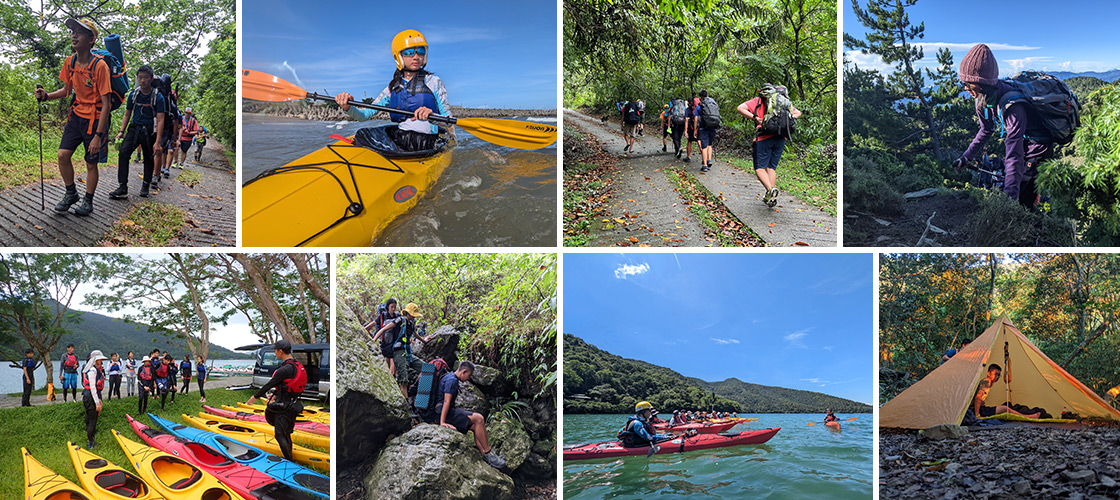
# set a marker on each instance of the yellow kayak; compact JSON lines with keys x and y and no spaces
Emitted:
{"x":172,"y":476}
{"x":298,"y":437}
{"x":263,"y":440}
{"x":343,"y":195}
{"x":308,"y":413}
{"x":41,"y":483}
{"x":105,"y":479}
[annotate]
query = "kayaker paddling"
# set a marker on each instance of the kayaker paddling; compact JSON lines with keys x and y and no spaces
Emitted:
{"x":639,"y":431}
{"x":411,"y":89}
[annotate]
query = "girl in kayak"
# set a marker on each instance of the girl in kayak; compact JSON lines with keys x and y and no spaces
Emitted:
{"x":638,"y":430}
{"x":411,"y":89}
{"x":829,"y":417}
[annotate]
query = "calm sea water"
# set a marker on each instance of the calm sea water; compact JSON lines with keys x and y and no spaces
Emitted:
{"x":488,"y":196}
{"x":11,"y":380}
{"x":802,"y":461}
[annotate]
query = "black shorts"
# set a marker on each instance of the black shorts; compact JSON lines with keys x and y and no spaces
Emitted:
{"x":185,"y":145}
{"x":461,"y":419}
{"x":77,"y":132}
{"x":987,"y":411}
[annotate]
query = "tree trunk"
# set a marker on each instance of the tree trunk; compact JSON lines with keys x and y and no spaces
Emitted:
{"x":300,"y":261}
{"x":261,"y":294}
{"x":1084,"y":345}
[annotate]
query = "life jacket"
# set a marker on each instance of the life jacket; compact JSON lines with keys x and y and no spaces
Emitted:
{"x":677,"y":112}
{"x":709,"y":113}
{"x":69,"y":363}
{"x":99,"y":383}
{"x":629,"y":437}
{"x":411,"y":95}
{"x":296,"y":384}
{"x":162,"y":371}
{"x":145,"y":373}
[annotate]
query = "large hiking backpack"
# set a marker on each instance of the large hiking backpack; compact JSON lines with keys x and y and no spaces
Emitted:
{"x":427,"y":389}
{"x":778,"y":120}
{"x":678,"y":112}
{"x":118,"y":79}
{"x":709,"y":113}
{"x":1054,"y":103}
{"x":630,"y":114}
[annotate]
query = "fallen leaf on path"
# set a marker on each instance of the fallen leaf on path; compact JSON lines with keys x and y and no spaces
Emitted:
{"x":801,"y":243}
{"x":38,"y":226}
{"x":771,"y":224}
{"x":633,"y":239}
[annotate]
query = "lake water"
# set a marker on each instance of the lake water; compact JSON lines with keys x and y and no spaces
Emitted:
{"x":11,"y":380}
{"x":489,"y":195}
{"x":802,"y":461}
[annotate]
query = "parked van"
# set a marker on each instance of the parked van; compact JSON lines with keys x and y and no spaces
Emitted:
{"x":315,"y":358}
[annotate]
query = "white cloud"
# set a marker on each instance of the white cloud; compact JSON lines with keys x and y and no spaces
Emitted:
{"x":725,"y":341}
{"x":928,"y":47}
{"x":825,"y":383}
{"x":1016,"y":65}
{"x":795,"y":338}
{"x":625,"y":270}
{"x":827,"y":348}
{"x":868,"y":62}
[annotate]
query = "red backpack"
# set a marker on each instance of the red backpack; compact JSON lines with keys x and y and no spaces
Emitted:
{"x":299,"y":382}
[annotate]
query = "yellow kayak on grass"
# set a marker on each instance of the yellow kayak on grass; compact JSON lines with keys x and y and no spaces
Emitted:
{"x":298,"y":437}
{"x":107,"y":480}
{"x":171,"y":476}
{"x":41,"y":483}
{"x":308,"y":413}
{"x":263,"y":440}
{"x":343,"y":195}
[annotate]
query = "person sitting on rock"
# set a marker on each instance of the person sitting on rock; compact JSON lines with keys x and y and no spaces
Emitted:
{"x":638,"y":430}
{"x":463,"y":420}
{"x":982,"y":391}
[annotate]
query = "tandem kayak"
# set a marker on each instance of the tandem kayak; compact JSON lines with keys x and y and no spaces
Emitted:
{"x":41,"y":483}
{"x":680,"y":444}
{"x":240,"y":414}
{"x":248,"y":482}
{"x":171,"y":476}
{"x":285,"y":471}
{"x":107,"y":480}
{"x":298,"y":436}
{"x":262,"y":440}
{"x":701,"y":427}
{"x":343,"y":195}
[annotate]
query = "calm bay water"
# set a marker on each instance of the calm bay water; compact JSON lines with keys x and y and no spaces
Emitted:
{"x":802,"y":461}
{"x":488,"y":196}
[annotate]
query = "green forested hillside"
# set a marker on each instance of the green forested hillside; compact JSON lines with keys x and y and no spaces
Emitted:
{"x":95,"y":331}
{"x":614,"y":384}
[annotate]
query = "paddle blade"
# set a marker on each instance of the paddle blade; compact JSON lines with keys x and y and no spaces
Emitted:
{"x":515,"y":134}
{"x":812,"y":423}
{"x":850,"y":419}
{"x":265,"y":87}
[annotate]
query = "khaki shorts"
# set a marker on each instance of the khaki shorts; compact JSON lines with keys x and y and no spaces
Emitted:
{"x":628,"y":129}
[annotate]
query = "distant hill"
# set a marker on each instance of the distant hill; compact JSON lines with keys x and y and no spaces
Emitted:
{"x":96,"y":331}
{"x":596,"y":381}
{"x":1107,"y":76}
{"x":1083,"y":86}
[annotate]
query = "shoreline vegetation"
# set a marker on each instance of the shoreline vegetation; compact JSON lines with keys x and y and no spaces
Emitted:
{"x":261,"y":111}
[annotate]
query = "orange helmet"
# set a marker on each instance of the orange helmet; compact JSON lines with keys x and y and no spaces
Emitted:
{"x":404,"y":40}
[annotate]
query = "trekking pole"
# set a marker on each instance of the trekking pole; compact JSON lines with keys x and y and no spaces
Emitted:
{"x":42,"y":182}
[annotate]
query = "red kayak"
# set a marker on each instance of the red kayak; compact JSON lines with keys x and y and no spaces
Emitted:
{"x":833,"y":426}
{"x":676,"y":445}
{"x":246,"y":481}
{"x":701,"y":427}
{"x":301,"y":425}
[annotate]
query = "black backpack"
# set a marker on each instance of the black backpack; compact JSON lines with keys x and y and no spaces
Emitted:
{"x":390,"y":337}
{"x":709,"y":113}
{"x":677,"y":112}
{"x":778,"y":120}
{"x":630,"y":114}
{"x":1051,"y":99}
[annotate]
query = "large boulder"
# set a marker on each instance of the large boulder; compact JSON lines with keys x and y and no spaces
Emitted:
{"x":509,"y":440}
{"x":541,"y":462}
{"x":444,"y":344}
{"x":470,"y":398}
{"x":431,"y":462}
{"x":491,"y":380}
{"x":370,"y":406}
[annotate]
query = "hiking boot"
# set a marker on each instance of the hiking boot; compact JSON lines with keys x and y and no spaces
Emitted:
{"x":495,"y":460}
{"x":85,"y":208}
{"x":664,"y":148}
{"x":121,"y":193}
{"x":90,"y":445}
{"x":686,"y":159}
{"x":773,"y":197}
{"x":766,"y":198}
{"x":155,"y":183}
{"x":144,"y":190}
{"x":704,"y":168}
{"x":67,"y":200}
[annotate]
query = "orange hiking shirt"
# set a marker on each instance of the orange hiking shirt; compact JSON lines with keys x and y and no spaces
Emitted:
{"x":89,"y":83}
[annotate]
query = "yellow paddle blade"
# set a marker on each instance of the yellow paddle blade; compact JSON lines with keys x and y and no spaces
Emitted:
{"x":515,"y":134}
{"x":265,"y":87}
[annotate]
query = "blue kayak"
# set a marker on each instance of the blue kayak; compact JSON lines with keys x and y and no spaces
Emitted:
{"x":284,"y":471}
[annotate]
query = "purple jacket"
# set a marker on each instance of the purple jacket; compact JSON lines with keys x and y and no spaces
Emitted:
{"x":1018,"y":149}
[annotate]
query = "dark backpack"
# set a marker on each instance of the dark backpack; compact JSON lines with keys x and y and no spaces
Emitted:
{"x":387,"y":340}
{"x":630,"y":114}
{"x":118,"y":79}
{"x":427,"y":389}
{"x":777,"y":120}
{"x":677,"y":112}
{"x":1051,"y":99}
{"x":709,"y":113}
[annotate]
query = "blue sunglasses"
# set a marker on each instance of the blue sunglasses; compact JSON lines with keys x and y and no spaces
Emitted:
{"x":415,"y":50}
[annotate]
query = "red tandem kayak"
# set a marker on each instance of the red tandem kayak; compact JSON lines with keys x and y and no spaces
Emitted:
{"x":701,"y":427}
{"x":615,"y":449}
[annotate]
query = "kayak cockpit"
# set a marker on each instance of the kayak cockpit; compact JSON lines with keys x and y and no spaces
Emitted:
{"x":380,"y":139}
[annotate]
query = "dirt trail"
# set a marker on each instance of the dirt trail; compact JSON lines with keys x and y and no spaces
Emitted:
{"x":791,"y":222}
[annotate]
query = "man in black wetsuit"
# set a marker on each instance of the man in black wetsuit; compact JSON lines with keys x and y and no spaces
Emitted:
{"x":284,"y":406}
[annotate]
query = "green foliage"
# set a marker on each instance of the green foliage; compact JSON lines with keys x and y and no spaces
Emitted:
{"x":867,"y":188}
{"x":1000,"y":221}
{"x":509,"y":410}
{"x":504,"y":303}
{"x":218,"y":87}
{"x":1083,"y":86}
{"x":615,"y":384}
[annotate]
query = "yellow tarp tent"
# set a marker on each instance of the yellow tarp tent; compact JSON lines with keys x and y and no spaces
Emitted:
{"x":942,"y":396}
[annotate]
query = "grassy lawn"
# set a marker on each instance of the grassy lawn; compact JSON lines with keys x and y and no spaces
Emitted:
{"x":19,"y":156}
{"x":148,"y":224}
{"x":45,"y":429}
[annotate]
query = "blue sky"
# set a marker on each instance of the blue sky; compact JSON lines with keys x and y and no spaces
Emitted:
{"x":802,"y":321}
{"x":1074,"y":35}
{"x":497,"y":54}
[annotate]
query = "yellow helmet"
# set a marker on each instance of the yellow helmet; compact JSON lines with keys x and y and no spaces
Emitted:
{"x":404,"y":40}
{"x":644,"y":405}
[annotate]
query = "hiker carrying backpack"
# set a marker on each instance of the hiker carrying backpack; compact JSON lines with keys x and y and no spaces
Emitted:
{"x":677,"y":113}
{"x":426,"y":390}
{"x":1057,"y":109}
{"x":118,"y":77}
{"x":777,"y":118}
{"x":709,"y":113}
{"x":630,"y":114}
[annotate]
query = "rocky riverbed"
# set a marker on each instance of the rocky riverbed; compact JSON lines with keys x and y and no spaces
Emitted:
{"x":1016,"y":461}
{"x":301,"y":110}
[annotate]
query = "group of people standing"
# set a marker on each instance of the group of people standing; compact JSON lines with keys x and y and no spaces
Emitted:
{"x":152,"y":121}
